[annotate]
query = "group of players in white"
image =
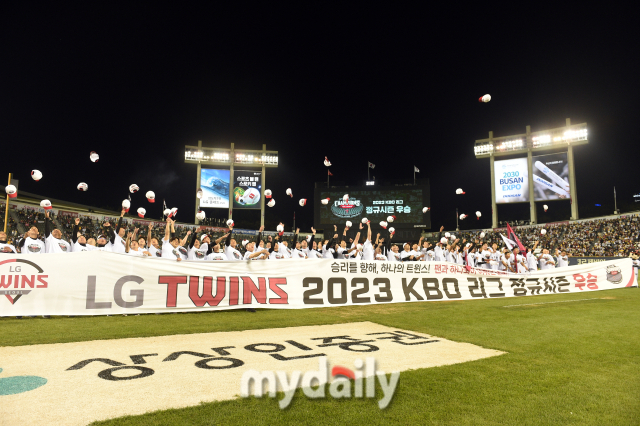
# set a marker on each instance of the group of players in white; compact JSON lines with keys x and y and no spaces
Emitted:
{"x":361,"y":247}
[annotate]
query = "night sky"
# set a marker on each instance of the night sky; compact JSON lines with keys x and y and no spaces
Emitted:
{"x":394,"y":86}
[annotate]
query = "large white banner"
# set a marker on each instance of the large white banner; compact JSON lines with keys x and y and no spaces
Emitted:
{"x":99,"y":283}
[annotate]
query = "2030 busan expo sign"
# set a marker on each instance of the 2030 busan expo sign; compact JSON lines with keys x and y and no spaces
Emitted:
{"x":93,"y":284}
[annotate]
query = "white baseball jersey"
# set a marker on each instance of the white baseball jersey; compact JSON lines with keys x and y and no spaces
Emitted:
{"x":367,"y":250}
{"x":32,"y":246}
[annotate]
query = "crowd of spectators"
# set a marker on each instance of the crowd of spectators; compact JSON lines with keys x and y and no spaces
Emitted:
{"x":12,"y":226}
{"x":212,"y":221}
{"x":527,"y":235}
{"x":617,"y":237}
{"x":598,"y":237}
{"x":29,"y":217}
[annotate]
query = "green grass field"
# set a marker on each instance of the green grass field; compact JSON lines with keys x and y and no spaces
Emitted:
{"x":566,"y":363}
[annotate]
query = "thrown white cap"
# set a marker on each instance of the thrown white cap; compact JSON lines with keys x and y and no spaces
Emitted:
{"x":36,"y":174}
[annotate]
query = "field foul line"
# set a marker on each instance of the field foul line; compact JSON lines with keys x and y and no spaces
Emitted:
{"x":544,"y":303}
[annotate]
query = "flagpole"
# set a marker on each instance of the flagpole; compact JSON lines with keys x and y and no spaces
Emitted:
{"x":414,"y":175}
{"x":6,"y":211}
{"x":615,"y":201}
{"x":328,"y":178}
{"x":457,"y":227}
{"x":368,"y":178}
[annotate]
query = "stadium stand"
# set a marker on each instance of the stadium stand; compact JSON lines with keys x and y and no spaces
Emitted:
{"x":617,"y":235}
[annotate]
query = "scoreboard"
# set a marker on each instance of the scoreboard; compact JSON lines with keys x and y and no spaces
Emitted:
{"x":374,"y":203}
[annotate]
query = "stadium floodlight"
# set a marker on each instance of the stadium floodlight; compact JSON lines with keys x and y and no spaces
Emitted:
{"x":223,"y":157}
{"x":370,"y":182}
{"x":570,"y":135}
{"x":227,"y":158}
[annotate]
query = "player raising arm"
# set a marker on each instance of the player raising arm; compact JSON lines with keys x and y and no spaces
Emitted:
{"x":53,"y":239}
{"x":170,"y":243}
{"x":367,"y":247}
{"x":230,"y":246}
{"x":79,"y":241}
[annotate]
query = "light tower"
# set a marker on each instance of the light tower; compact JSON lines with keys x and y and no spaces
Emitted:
{"x":227,"y":158}
{"x":535,"y":145}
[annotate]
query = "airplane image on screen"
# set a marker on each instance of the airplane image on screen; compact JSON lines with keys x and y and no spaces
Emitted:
{"x":218,"y":186}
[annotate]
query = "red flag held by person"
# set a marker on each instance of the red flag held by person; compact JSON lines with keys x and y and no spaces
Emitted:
{"x":513,"y":235}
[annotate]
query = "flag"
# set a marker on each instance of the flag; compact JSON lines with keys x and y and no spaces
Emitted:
{"x":513,"y":235}
{"x":507,"y":242}
{"x":467,"y":266}
{"x":371,"y":165}
{"x":415,"y":169}
{"x":329,"y":173}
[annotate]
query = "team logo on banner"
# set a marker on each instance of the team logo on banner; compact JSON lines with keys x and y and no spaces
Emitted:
{"x":614,"y":274}
{"x":347,"y":209}
{"x":16,"y":282}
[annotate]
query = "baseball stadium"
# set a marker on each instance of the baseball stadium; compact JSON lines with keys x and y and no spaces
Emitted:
{"x":189,"y":236}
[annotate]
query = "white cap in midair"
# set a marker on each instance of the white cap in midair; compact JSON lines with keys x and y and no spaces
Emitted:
{"x":36,"y":174}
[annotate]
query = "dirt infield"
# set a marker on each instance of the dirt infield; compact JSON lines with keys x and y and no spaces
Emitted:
{"x":77,"y":383}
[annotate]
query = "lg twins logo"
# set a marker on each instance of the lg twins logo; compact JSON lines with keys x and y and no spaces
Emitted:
{"x":347,"y":209}
{"x":34,"y":248}
{"x":18,"y":276}
{"x":614,"y":274}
